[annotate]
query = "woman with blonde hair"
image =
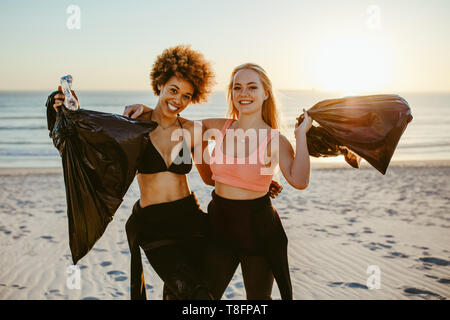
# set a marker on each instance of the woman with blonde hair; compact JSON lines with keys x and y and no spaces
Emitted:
{"x":244,"y":226}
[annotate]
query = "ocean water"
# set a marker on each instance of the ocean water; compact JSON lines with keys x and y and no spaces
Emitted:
{"x":25,"y":142}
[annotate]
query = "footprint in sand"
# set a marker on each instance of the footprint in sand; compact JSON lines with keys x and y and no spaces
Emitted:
{"x":116,"y":294}
{"x":376,"y":246}
{"x":335,"y":284}
{"x":352,"y":285}
{"x":423,"y":293}
{"x":399,"y":254}
{"x":21,"y":203}
{"x":121,"y":278}
{"x":13,"y":286}
{"x":436,"y":261}
{"x":351,"y":221}
{"x":118,"y":275}
{"x":394,"y":255}
{"x":54,"y":293}
{"x":391,"y":212}
{"x":356,"y":285}
{"x":372,"y":246}
{"x":229,"y":292}
{"x":115,"y":272}
{"x":4,"y":230}
{"x":49,"y":238}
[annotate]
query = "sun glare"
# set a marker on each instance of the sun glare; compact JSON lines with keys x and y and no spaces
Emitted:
{"x":352,"y":66}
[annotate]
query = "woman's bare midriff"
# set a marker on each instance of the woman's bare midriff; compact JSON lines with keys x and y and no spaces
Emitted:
{"x":235,"y":193}
{"x":162,"y":187}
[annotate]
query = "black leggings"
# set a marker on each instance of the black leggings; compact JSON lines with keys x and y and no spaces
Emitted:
{"x":256,"y":271}
{"x":237,"y":231}
{"x":179,"y":266}
{"x":172,"y":236}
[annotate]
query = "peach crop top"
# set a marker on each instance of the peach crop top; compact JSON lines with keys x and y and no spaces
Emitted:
{"x":228,"y":170}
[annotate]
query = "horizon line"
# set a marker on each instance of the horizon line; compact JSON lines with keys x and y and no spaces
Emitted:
{"x":223,"y":91}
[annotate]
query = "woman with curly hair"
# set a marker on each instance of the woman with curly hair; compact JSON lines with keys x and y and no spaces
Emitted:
{"x":167,"y":222}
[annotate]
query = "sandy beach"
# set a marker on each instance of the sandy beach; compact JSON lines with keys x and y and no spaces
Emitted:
{"x":345,"y":221}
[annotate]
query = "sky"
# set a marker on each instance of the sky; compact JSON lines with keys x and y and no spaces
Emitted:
{"x":352,"y":46}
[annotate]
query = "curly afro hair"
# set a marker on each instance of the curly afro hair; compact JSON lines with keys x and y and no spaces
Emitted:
{"x":183,"y":62}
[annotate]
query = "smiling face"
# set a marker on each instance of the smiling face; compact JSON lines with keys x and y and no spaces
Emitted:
{"x":248,"y":92}
{"x":175,"y":95}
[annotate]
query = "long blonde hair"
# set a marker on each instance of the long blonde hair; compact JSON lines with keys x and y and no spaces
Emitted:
{"x":269,"y":108}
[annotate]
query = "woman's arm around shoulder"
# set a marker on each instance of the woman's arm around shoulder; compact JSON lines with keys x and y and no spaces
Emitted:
{"x":199,"y":148}
{"x":214,"y":123}
{"x":137,"y":111}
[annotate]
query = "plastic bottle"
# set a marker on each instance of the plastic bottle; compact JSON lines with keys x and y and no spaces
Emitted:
{"x":70,"y":101}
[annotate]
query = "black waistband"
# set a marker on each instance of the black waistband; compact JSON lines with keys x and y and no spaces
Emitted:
{"x":250,"y":203}
{"x":176,"y":205}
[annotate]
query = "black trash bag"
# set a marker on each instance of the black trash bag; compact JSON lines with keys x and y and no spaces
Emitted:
{"x":358,"y":127}
{"x":100,"y":152}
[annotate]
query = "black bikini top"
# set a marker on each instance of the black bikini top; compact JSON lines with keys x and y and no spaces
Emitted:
{"x":153,"y":162}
